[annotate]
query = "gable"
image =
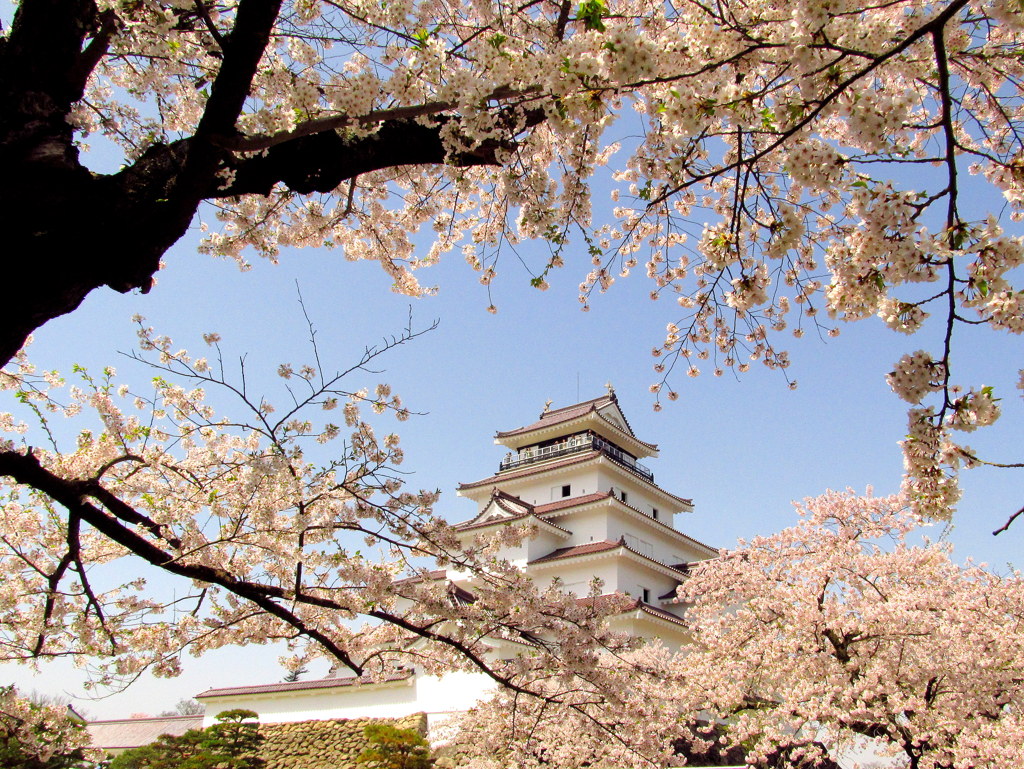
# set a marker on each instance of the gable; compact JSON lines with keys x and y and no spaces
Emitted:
{"x":613,"y":414}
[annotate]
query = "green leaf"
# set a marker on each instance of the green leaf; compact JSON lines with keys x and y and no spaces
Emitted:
{"x":592,"y":13}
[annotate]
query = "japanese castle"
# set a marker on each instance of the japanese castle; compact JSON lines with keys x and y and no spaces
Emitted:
{"x":576,"y":476}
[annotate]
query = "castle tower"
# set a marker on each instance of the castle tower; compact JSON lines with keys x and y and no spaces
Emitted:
{"x":575,"y":475}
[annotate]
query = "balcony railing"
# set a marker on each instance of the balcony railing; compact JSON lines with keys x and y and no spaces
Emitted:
{"x":574,"y":445}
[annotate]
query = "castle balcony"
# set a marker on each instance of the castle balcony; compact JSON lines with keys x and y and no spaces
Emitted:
{"x":574,"y":444}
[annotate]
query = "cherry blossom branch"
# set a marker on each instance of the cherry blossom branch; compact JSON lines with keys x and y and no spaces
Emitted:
{"x":204,"y":14}
{"x":26,"y":469}
{"x":338,"y":122}
{"x":921,"y":32}
{"x":1009,"y":522}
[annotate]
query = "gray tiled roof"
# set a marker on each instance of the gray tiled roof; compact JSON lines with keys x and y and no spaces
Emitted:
{"x":132,"y":732}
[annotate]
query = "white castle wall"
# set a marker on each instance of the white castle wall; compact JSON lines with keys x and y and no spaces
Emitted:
{"x":438,"y":698}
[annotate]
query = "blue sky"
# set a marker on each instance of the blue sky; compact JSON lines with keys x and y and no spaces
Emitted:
{"x":741,"y":449}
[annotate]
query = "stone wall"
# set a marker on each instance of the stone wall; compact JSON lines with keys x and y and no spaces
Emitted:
{"x":330,"y":744}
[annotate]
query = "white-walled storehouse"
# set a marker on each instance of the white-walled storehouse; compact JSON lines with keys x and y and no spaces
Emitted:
{"x":576,"y":475}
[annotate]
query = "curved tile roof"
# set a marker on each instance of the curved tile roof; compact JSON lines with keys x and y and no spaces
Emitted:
{"x":123,"y":733}
{"x":314,"y":683}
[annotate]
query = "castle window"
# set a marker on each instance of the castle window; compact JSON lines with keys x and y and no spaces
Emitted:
{"x":646,"y":595}
{"x":565,"y":491}
{"x":625,"y":497}
{"x":654,"y":513}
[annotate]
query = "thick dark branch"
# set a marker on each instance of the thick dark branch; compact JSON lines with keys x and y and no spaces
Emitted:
{"x":38,"y":64}
{"x":254,"y":21}
{"x":127,"y":513}
{"x":151,"y":204}
{"x":376,"y":117}
{"x":338,"y":122}
{"x":563,"y":19}
{"x":53,"y":582}
{"x":93,"y":53}
{"x":953,"y":224}
{"x":204,"y":14}
{"x":323,"y":161}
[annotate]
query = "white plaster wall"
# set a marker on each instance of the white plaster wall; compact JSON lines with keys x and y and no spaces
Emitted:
{"x":671,"y":636}
{"x":367,"y":701}
{"x":544,"y":543}
{"x":632,"y":575}
{"x":540,"y":545}
{"x":681,"y":552}
{"x":637,"y":491}
{"x":579,"y":574}
{"x":538,"y":491}
{"x":439,"y":698}
{"x":586,"y":526}
{"x":664,"y":546}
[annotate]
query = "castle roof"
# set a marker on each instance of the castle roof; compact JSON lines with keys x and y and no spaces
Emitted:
{"x":562,"y":504}
{"x":122,"y":733}
{"x":563,"y":414}
{"x":296,"y":686}
{"x":602,"y":414}
{"x":577,"y":550}
{"x":603,"y":547}
{"x":504,"y":477}
{"x":634,"y":605}
{"x":505,"y":508}
{"x":553,"y":510}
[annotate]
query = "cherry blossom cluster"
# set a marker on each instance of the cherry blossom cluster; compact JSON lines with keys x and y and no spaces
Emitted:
{"x":915,"y":376}
{"x":931,"y":461}
{"x":36,"y":734}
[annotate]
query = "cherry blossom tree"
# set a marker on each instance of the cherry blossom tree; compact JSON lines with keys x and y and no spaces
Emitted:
{"x":768,"y":183}
{"x":39,"y":736}
{"x":844,"y":628}
{"x":807,"y":644}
